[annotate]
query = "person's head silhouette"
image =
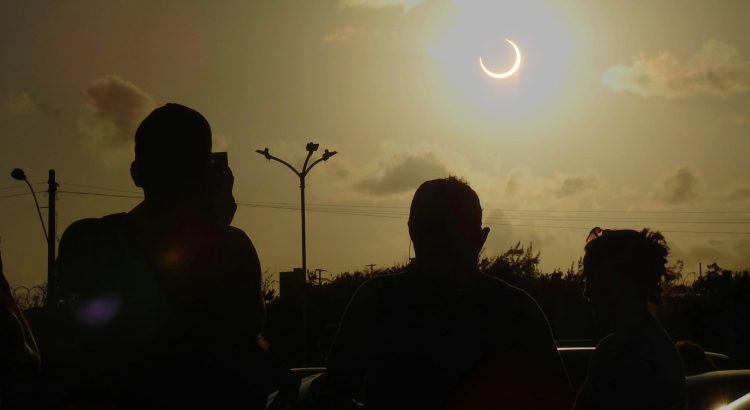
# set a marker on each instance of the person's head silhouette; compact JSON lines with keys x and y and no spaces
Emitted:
{"x":445,"y":224}
{"x":172,"y":152}
{"x":623,"y":270}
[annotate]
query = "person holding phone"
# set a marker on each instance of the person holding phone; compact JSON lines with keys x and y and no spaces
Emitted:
{"x":163,"y":302}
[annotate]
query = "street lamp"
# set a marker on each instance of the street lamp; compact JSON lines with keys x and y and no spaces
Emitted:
{"x":306,"y":167}
{"x":19,"y":175}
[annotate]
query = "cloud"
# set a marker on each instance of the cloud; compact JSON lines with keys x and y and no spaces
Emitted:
{"x":377,"y":4}
{"x":339,"y":35}
{"x":19,"y":102}
{"x":739,"y":194}
{"x":740,"y":120}
{"x":575,"y":185}
{"x":513,"y":185}
{"x":22,"y":102}
{"x":729,"y":255}
{"x":405,"y":175}
{"x":681,"y":187}
{"x":716,"y":69}
{"x":336,"y":171}
{"x":117,"y":107}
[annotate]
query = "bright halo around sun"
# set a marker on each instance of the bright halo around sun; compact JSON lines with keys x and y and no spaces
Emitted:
{"x":508,"y":73}
{"x":505,"y":59}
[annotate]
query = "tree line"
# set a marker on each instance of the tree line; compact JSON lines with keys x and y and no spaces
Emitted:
{"x":713,"y":310}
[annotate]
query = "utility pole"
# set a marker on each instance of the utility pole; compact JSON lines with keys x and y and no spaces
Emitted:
{"x":301,"y":174}
{"x":372,"y":265}
{"x":52,"y":297}
{"x":319,"y":274}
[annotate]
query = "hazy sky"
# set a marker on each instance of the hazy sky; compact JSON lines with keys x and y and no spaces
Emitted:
{"x":618,"y":106}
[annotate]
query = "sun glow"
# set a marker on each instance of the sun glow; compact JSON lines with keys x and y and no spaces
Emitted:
{"x":507,"y":73}
{"x":547,"y":56}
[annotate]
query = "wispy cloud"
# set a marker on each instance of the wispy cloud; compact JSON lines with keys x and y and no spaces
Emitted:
{"x":116,"y":108}
{"x":741,"y":120}
{"x":513,"y":185}
{"x":739,"y":194}
{"x":680,"y":187}
{"x":716,"y":69}
{"x":377,"y":4}
{"x":18,"y":102}
{"x":575,"y":185}
{"x":23,"y":102}
{"x":339,"y":35}
{"x":404,"y":175}
{"x":728,"y":254}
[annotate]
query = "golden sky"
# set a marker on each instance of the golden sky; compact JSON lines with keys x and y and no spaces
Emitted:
{"x":622,"y":114}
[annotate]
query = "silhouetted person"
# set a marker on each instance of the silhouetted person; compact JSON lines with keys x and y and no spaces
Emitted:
{"x":164,"y":300}
{"x":19,"y":355}
{"x":694,"y":358}
{"x":636,"y":366}
{"x":442,"y":334}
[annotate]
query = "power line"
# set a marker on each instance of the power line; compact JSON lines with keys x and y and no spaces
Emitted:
{"x":519,"y":218}
{"x":532,"y":211}
{"x":342,"y":210}
{"x":99,"y":187}
{"x":11,"y":187}
{"x":100,"y":194}
{"x":625,"y":211}
{"x":19,"y":194}
{"x":488,"y":223}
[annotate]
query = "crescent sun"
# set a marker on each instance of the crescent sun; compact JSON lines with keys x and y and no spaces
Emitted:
{"x":507,"y":73}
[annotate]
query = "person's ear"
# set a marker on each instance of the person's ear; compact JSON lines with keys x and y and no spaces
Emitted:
{"x":483,"y":236}
{"x":135,"y":174}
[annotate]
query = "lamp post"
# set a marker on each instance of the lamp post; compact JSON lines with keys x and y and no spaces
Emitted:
{"x":50,"y":233}
{"x":306,"y":167}
{"x":301,"y":174}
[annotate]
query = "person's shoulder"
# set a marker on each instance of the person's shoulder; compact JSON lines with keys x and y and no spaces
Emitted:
{"x":380,"y":287}
{"x":88,"y":227}
{"x":236,"y":235}
{"x":504,"y":291}
{"x":627,"y":346}
{"x":237,"y":240}
{"x":380,"y":282}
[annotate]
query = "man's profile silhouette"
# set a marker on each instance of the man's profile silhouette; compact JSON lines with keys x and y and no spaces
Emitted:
{"x":164,"y":300}
{"x":442,"y":334}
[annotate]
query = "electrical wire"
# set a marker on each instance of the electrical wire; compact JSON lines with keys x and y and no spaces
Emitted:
{"x":129,"y":191}
{"x":15,"y":195}
{"x":17,"y":186}
{"x":100,"y":194}
{"x":396,"y":212}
